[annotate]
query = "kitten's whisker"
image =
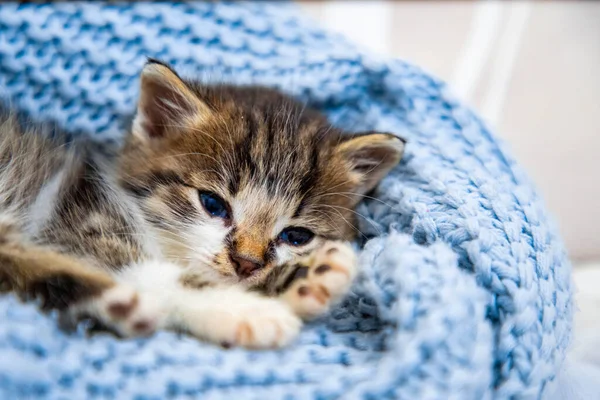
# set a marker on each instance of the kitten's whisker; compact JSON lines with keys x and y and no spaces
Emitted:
{"x":340,"y":184}
{"x":347,"y":222}
{"x":361,"y":215}
{"x":331,"y":223}
{"x":350,"y":194}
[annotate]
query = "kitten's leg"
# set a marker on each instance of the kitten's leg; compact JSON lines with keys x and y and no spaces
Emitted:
{"x":226,"y":315}
{"x":231,"y":316}
{"x":320,"y":280}
{"x":67,"y":284}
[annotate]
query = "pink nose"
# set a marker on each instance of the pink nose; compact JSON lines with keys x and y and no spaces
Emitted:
{"x":245,"y":266}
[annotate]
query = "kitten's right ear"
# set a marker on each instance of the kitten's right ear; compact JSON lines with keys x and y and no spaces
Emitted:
{"x":371,"y":156}
{"x":166,"y":103}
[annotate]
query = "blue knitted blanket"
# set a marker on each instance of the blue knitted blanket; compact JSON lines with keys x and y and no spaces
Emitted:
{"x":465,"y":289}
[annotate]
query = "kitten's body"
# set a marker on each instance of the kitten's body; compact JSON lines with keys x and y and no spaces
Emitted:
{"x":129,"y":240}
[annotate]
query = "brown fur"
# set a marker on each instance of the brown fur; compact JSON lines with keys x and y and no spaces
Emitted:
{"x":38,"y":273}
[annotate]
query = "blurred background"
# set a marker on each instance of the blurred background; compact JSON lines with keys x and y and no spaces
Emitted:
{"x":532,"y":70}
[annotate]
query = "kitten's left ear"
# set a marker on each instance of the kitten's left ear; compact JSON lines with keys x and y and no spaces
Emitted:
{"x":166,"y":103}
{"x":371,"y":156}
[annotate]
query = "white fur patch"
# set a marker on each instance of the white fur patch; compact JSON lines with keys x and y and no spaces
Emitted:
{"x":158,"y":276}
{"x":42,"y":208}
{"x":207,"y":240}
{"x":221,"y":314}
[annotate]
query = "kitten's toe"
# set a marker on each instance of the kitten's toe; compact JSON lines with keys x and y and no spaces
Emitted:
{"x":331,"y":270}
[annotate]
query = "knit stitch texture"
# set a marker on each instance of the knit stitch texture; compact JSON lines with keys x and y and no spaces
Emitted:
{"x":465,"y":290}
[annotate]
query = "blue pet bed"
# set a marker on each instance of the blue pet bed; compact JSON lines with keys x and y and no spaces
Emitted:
{"x":465,"y":290}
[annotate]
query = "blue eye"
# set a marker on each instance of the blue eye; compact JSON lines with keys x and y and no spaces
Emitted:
{"x":214,"y":205}
{"x":296,"y":236}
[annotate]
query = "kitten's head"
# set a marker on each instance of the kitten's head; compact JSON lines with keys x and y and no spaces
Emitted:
{"x":244,"y":179}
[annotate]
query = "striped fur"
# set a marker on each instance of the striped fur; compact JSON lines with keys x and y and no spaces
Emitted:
{"x":102,"y":221}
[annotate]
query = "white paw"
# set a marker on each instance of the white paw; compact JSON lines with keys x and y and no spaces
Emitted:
{"x":329,"y":272}
{"x":124,"y":310}
{"x":246,"y":320}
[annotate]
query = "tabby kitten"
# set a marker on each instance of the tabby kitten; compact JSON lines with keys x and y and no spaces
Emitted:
{"x":225,"y":214}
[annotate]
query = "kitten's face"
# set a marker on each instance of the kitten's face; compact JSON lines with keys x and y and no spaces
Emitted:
{"x":244,"y":179}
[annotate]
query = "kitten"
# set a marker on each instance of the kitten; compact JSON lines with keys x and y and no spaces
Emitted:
{"x":225,"y":214}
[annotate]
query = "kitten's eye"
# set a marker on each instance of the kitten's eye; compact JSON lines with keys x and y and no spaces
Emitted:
{"x":296,"y":236}
{"x":214,"y":205}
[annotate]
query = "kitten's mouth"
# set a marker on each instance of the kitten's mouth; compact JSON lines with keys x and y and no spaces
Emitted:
{"x":233,"y":277}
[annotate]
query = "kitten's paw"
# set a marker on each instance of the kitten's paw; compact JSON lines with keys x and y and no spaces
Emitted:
{"x":251,"y":321}
{"x":323,"y":278}
{"x":123,"y":310}
{"x":265,"y":324}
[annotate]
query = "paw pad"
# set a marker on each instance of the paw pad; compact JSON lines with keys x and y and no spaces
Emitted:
{"x":143,"y":326}
{"x":321,"y":269}
{"x":303,"y":290}
{"x":122,"y":308}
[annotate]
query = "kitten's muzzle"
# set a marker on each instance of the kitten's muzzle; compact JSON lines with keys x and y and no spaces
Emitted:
{"x":245,"y":266}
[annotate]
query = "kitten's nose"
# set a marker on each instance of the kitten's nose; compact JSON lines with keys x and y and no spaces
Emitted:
{"x":245,"y":266}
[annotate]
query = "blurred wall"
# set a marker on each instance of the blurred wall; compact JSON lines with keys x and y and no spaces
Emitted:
{"x":531,"y":68}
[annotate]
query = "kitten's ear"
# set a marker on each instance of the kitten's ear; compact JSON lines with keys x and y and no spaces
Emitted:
{"x":166,"y":103}
{"x":371,"y":156}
